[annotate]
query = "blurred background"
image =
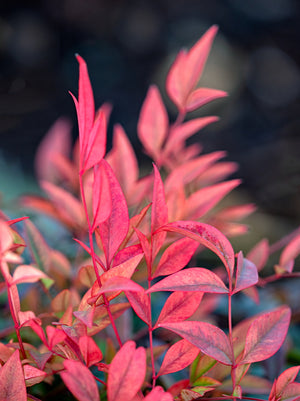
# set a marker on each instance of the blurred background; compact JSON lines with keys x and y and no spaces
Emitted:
{"x":129,"y":44}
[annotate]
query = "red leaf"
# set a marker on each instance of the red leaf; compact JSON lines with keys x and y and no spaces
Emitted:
{"x":102,"y":204}
{"x":187,"y":69}
{"x":291,"y":393}
{"x":159,"y":212}
{"x":246,"y":274}
{"x":289,"y":254}
{"x":140,"y":303}
{"x":56,"y":142}
{"x":153,"y":123}
{"x":216,"y":173}
{"x":120,"y":284}
{"x":179,"y":356}
{"x":179,"y":306}
{"x":208,"y":236}
{"x":201,"y":201}
{"x":96,"y":146}
{"x":191,"y":170}
{"x":90,"y":351}
{"x":211,"y":340}
{"x":6,"y":240}
{"x":283,"y":381}
{"x":145,"y":246}
{"x":12,"y":383}
{"x":33,"y":375}
{"x":126,"y":373}
{"x":266,"y":335}
{"x":176,"y":256}
{"x":86,"y":105}
{"x":181,"y":132}
{"x":123,"y":161}
{"x":202,"y":96}
{"x":67,"y":205}
{"x":192,"y":279}
{"x":114,"y":229}
{"x":259,"y":254}
{"x":158,"y":393}
{"x":27,"y":274}
{"x":80,"y":381}
{"x":55,"y":336}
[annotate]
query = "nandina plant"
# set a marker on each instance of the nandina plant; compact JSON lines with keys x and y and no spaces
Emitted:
{"x":138,"y":237}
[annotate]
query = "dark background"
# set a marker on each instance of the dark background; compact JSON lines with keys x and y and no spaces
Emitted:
{"x":129,"y":45}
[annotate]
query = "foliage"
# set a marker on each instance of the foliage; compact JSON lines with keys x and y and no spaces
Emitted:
{"x":136,"y":237}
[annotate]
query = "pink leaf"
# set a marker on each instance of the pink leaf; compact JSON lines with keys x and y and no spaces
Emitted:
{"x":145,"y":246}
{"x":259,"y":254}
{"x":197,"y":57}
{"x":211,"y":340}
{"x":153,"y":123}
{"x":179,"y":356}
{"x":291,"y":393}
{"x":187,"y":69}
{"x":159,"y":212}
{"x":126,"y":373}
{"x":96,"y":146}
{"x":12,"y":383}
{"x":33,"y":375}
{"x":140,"y":303}
{"x":68,"y":206}
{"x":114,"y":229}
{"x":208,"y":236}
{"x":179,"y":306}
{"x":6,"y":240}
{"x":201,"y":201}
{"x":246,"y":274}
{"x":202,"y":96}
{"x":289,"y":254}
{"x":90,"y":351}
{"x":27,"y":274}
{"x":120,"y":284}
{"x":183,"y":131}
{"x":86,"y":105}
{"x":216,"y":173}
{"x":80,"y":381}
{"x":102,"y":204}
{"x":123,"y":161}
{"x":56,"y":142}
{"x":158,"y":393}
{"x":175,"y":80}
{"x":192,"y":279}
{"x":55,"y":336}
{"x":266,"y":335}
{"x":176,"y":256}
{"x":283,"y":381}
{"x":191,"y":170}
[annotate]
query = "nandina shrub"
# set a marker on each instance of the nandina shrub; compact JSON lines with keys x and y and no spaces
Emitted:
{"x":70,"y":332}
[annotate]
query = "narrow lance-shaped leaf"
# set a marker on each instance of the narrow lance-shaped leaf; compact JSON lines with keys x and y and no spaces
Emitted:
{"x":102,"y":204}
{"x":38,"y":246}
{"x":12,"y":383}
{"x":202,"y":96}
{"x":211,"y":340}
{"x":140,"y":303}
{"x":192,"y":279}
{"x":259,"y":254}
{"x":284,"y":380}
{"x":114,"y":229}
{"x":178,"y":357}
{"x":80,"y":381}
{"x":176,"y":256}
{"x":153,"y":123}
{"x":126,"y":373}
{"x":179,"y":306}
{"x":159,"y":212}
{"x":246,"y":274}
{"x":266,"y":335}
{"x":289,"y":254}
{"x":208,"y":236}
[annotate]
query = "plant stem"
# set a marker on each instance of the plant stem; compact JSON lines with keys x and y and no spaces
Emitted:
{"x":230,"y":333}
